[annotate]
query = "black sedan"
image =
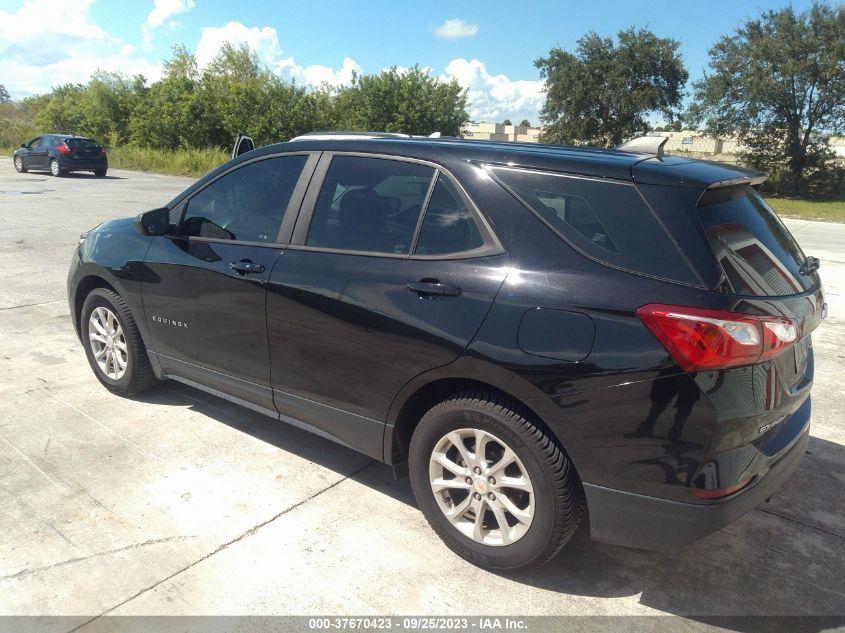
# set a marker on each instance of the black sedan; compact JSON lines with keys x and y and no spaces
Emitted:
{"x":61,"y":154}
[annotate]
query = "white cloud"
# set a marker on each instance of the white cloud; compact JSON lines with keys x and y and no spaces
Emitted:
{"x":40,"y":52}
{"x":263,"y":40}
{"x":164,"y":9}
{"x":317,"y":75}
{"x":34,"y":32}
{"x":496,"y":97}
{"x":456,"y":29}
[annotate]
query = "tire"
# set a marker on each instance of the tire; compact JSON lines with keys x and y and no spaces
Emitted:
{"x":129,"y":371}
{"x":19,"y":165}
{"x":55,"y":168}
{"x":100,"y":173}
{"x":550,"y":513}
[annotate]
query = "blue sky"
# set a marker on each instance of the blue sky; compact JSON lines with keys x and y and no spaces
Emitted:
{"x":488,"y":46}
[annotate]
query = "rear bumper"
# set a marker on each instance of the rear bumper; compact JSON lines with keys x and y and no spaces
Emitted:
{"x":84,"y":165}
{"x":634,"y":520}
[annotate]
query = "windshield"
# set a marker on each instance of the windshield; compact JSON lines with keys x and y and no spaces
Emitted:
{"x":756,"y":251}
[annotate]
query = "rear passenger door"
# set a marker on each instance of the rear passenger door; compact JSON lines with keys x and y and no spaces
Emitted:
{"x":390,"y":273}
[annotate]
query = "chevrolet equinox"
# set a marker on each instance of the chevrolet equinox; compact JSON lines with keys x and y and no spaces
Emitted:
{"x":534,"y":334}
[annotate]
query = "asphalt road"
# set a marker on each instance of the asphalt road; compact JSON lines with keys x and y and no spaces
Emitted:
{"x":180,"y":503}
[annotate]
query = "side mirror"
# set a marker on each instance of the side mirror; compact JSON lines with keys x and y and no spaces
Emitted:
{"x":23,"y":145}
{"x":155,"y":222}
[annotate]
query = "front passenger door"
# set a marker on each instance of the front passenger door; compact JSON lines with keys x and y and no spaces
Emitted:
{"x":206,"y":305}
{"x":28,"y":157}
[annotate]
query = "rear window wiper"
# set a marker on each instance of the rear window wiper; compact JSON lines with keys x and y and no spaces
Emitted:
{"x":810,"y":265}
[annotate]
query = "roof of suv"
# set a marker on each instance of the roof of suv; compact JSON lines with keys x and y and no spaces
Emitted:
{"x":602,"y":163}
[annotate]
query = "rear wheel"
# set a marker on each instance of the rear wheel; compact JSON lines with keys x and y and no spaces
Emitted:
{"x":492,"y":484}
{"x":19,"y":165}
{"x":100,"y":173}
{"x":55,"y":168}
{"x":113,"y":344}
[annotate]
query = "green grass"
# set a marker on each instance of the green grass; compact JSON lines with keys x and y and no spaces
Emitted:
{"x":826,"y":211}
{"x":180,"y":162}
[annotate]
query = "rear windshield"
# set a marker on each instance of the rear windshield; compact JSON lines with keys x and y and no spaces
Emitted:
{"x":757,"y":252}
{"x":606,"y":220}
{"x":81,"y":143}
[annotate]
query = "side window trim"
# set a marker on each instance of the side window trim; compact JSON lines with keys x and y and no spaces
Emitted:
{"x":423,"y":211}
{"x":289,"y":216}
{"x":492,"y":245}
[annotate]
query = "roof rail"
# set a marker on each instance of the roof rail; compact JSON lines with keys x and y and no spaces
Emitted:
{"x":644,"y":145}
{"x":333,"y":136}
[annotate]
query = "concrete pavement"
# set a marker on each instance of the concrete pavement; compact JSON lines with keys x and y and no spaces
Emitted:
{"x":177,"y":502}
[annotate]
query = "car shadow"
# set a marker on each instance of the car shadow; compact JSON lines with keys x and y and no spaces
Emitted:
{"x":778,"y":568}
{"x":79,"y":175}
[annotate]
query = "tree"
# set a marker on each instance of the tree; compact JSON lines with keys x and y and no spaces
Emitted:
{"x":778,"y":84}
{"x":409,"y":101}
{"x":4,"y":94}
{"x":507,"y":122}
{"x":525,"y":123}
{"x":603,"y":93}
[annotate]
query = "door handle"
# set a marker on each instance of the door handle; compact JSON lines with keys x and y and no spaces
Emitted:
{"x":434,"y":288}
{"x":246,"y":267}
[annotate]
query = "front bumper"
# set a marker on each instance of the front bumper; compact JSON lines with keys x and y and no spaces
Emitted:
{"x":634,"y":520}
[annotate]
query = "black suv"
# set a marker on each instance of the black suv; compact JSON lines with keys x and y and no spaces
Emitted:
{"x":61,"y":154}
{"x":532,"y":332}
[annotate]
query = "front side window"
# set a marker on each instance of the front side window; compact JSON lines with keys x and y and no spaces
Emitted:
{"x":448,"y":226}
{"x":369,"y":204}
{"x":246,"y":204}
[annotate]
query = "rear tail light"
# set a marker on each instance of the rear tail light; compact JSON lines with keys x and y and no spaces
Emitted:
{"x":701,"y":340}
{"x":63,"y":149}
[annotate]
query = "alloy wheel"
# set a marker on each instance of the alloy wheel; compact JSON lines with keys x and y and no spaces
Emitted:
{"x":18,"y":163}
{"x":482,"y":487}
{"x":54,"y":168}
{"x":108,"y":343}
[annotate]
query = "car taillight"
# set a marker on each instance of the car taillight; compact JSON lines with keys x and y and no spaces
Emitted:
{"x":63,"y":149}
{"x":702,"y":340}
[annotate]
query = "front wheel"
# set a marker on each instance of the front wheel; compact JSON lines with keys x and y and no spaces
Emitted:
{"x":492,"y":483}
{"x":19,"y":165}
{"x":113,"y":344}
{"x":55,"y":168}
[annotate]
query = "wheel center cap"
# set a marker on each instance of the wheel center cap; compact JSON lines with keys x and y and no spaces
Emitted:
{"x":480,"y":485}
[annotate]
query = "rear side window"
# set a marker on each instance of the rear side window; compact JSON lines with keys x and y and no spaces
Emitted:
{"x":448,"y":226}
{"x":757,"y":252}
{"x":246,"y":204}
{"x":369,"y":204}
{"x":606,"y":220}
